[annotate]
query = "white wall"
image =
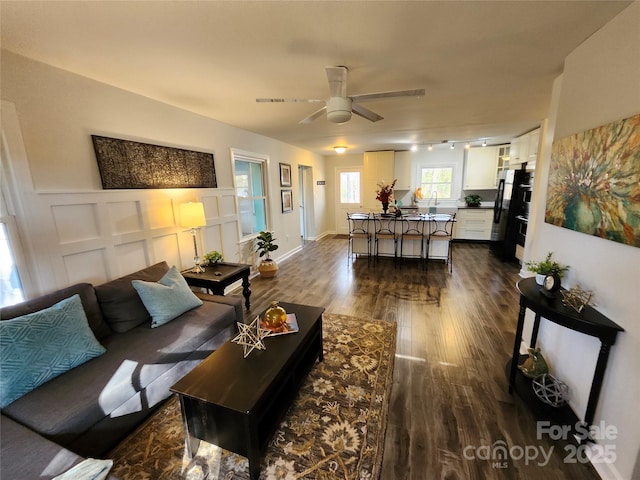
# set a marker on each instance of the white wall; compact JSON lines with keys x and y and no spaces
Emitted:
{"x":600,"y":84}
{"x":72,"y":228}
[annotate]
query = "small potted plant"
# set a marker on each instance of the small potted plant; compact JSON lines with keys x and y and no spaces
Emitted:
{"x":212,"y":258}
{"x":473,"y":200}
{"x":546,"y":267}
{"x":265,"y":244}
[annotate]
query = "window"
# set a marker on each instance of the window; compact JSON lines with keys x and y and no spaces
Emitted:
{"x":349,"y":187}
{"x":438,"y":180}
{"x":251,"y":192}
{"x":11,"y":286}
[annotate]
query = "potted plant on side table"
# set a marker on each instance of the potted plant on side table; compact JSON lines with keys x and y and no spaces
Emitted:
{"x":546,"y":267}
{"x":265,"y":244}
{"x":212,"y":258}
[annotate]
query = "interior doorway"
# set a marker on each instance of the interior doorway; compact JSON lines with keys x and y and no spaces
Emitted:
{"x":305,"y":195}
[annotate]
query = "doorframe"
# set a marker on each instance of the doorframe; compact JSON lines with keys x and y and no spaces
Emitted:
{"x":305,"y":196}
{"x":338,"y":206}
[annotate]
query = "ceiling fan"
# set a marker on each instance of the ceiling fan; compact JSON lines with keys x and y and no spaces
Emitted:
{"x":339,"y":106}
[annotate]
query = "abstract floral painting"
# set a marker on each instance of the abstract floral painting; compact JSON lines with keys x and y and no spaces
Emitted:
{"x":594,"y":182}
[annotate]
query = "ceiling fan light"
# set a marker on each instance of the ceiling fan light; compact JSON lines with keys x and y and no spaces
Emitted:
{"x":339,"y":109}
{"x":340,"y":150}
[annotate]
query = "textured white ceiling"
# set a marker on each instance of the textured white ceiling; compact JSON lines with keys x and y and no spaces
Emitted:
{"x":487,"y":66}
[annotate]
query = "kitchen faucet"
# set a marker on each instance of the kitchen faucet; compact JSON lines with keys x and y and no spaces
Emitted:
{"x":432,"y":209}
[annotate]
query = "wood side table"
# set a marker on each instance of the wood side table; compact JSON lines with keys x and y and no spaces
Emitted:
{"x":216,"y":278}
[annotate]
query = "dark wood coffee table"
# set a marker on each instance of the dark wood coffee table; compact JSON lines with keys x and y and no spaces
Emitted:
{"x":219,"y":276}
{"x":237,"y":403}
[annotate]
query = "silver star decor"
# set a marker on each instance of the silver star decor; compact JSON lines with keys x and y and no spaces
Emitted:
{"x":250,"y":336}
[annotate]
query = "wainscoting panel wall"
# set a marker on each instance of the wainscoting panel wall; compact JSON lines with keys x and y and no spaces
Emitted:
{"x":131,"y":256}
{"x":124,"y":217}
{"x":88,"y":266}
{"x":68,"y":226}
{"x":97,"y":236}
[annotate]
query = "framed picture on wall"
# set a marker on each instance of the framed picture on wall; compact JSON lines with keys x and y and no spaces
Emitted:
{"x":287,"y":201}
{"x":285,"y":175}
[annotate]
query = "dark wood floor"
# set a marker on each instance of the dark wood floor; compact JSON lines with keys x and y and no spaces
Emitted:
{"x":455,"y":334}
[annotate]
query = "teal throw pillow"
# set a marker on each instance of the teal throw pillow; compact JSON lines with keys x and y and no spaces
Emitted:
{"x":167,"y":299}
{"x":38,"y":347}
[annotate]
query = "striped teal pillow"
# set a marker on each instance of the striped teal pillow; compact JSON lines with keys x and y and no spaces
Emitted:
{"x":167,"y":299}
{"x":38,"y":347}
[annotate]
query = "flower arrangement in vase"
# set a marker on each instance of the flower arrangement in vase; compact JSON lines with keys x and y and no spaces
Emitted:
{"x":384,"y":194}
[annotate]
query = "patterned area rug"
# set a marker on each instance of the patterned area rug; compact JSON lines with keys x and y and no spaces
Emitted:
{"x":334,"y":429}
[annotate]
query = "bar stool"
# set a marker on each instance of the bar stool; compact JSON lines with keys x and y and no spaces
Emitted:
{"x":413,"y":230}
{"x":441,"y":229}
{"x":358,"y":229}
{"x":385,"y":229}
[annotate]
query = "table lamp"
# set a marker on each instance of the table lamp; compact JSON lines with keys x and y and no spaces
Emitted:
{"x":192,"y":217}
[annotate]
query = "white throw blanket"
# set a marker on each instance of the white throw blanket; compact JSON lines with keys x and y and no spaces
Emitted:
{"x":89,"y":469}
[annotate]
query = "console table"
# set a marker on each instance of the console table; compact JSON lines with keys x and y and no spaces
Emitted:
{"x":219,"y":276}
{"x":589,"y":321}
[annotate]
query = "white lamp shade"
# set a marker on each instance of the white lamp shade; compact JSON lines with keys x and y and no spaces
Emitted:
{"x":192,"y":214}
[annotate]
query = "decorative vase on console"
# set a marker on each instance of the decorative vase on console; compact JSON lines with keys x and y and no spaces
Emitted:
{"x":385,"y":207}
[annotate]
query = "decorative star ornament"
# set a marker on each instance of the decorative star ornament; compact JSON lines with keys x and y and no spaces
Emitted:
{"x":251,"y":336}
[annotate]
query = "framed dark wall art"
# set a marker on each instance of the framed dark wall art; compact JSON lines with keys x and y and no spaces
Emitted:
{"x":125,"y":164}
{"x":285,"y":175}
{"x":593,"y":182}
{"x":287,"y":201}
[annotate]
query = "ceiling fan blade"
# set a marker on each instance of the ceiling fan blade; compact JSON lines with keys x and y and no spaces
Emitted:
{"x":365,"y":112}
{"x":398,"y":93}
{"x":314,"y":115}
{"x":337,"y":77}
{"x":283,"y":100}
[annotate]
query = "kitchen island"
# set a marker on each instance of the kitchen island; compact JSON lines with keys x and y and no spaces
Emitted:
{"x":405,"y":236}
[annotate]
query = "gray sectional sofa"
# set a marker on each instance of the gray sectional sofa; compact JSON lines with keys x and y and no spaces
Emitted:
{"x":87,"y":410}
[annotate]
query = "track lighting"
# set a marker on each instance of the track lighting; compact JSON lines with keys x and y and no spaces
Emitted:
{"x":430,"y":147}
{"x":484,"y":143}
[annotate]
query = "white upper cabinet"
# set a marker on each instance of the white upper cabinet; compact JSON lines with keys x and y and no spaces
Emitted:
{"x":525,"y":148}
{"x":402,"y":170}
{"x":378,"y":167}
{"x":534,"y":145}
{"x":480,"y":168}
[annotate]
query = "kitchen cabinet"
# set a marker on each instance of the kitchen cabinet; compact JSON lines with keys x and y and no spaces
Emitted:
{"x":474,"y":224}
{"x":402,"y":170}
{"x":378,"y":167}
{"x":534,"y":145}
{"x":503,"y":160}
{"x":480,"y":168}
{"x":525,"y":148}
